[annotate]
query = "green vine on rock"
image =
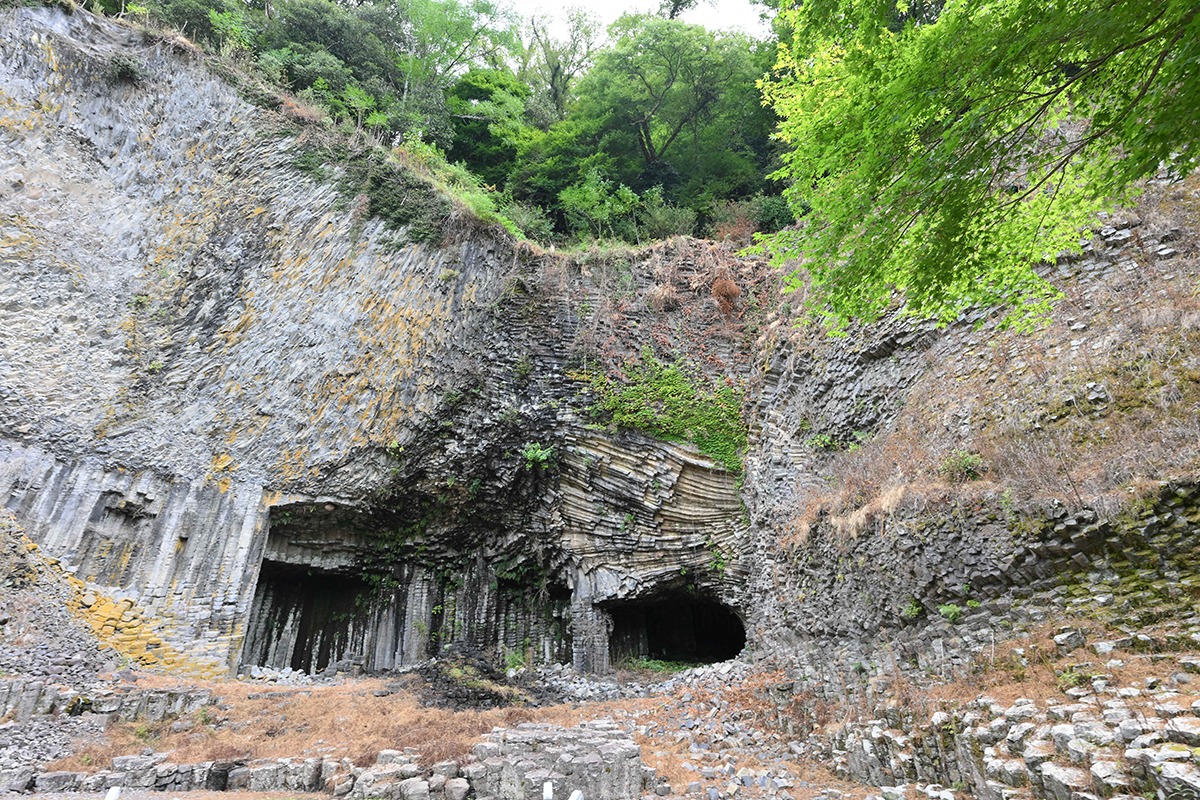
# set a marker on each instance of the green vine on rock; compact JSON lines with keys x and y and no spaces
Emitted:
{"x":676,"y":404}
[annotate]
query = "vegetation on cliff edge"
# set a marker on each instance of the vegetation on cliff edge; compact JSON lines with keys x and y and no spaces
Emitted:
{"x":946,"y":149}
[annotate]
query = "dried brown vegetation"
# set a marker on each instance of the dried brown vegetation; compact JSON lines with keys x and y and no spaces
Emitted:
{"x":1099,"y":405}
{"x":338,"y":721}
{"x":300,"y":111}
{"x":726,"y":293}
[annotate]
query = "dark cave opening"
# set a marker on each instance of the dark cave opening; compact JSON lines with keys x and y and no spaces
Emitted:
{"x":675,"y":627}
{"x":303,"y":617}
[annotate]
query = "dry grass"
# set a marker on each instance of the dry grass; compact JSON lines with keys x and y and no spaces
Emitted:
{"x":663,"y":297}
{"x":1021,"y":401}
{"x":337,"y":721}
{"x":300,"y":111}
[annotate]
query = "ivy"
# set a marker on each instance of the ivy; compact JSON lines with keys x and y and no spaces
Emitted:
{"x":676,"y":404}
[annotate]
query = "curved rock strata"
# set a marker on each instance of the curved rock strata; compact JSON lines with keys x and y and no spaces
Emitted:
{"x":219,"y":375}
{"x":267,"y":411}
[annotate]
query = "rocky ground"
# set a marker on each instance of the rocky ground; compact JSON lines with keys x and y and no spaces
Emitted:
{"x":1068,"y":713}
{"x":40,"y":640}
{"x":56,"y":674}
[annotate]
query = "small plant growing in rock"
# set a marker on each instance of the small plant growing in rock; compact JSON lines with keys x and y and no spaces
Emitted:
{"x":514,"y":659}
{"x":644,"y":664}
{"x":911,"y":610}
{"x":1072,"y":677}
{"x":717,"y":561}
{"x":538,"y":456}
{"x":821,"y":441}
{"x":125,"y":69}
{"x":962,"y":466}
{"x":951,"y":611}
{"x":523,"y":367}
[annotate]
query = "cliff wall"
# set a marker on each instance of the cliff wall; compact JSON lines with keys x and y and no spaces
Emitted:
{"x":214,"y":362}
{"x":265,"y":389}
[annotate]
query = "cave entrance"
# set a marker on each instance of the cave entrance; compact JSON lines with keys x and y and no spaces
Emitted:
{"x":675,"y":628}
{"x":305,"y":618}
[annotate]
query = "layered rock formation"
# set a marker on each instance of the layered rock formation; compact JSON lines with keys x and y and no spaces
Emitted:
{"x":274,"y":400}
{"x":287,"y":429}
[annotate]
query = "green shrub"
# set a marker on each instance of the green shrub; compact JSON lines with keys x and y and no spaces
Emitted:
{"x":659,"y":220}
{"x":821,"y":441}
{"x":962,"y":466}
{"x":126,"y":69}
{"x":951,"y":611}
{"x":514,"y":659}
{"x":523,"y":369}
{"x":538,"y":456}
{"x":529,"y":219}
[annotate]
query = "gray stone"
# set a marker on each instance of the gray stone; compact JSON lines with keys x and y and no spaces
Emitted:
{"x":1096,"y":733}
{"x":16,"y":780}
{"x":1059,"y":783}
{"x":1109,"y":778}
{"x":1069,"y":641}
{"x":1080,"y":751}
{"x":57,"y":782}
{"x":456,"y":788}
{"x":1179,"y":780}
{"x":1185,"y":730}
{"x":1129,"y":729}
{"x":414,"y":789}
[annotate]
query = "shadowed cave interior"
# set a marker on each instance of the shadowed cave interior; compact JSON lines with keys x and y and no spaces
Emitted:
{"x":674,"y":627}
{"x":303,"y":617}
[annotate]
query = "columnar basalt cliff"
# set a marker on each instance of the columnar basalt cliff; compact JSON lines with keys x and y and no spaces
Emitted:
{"x":287,"y":428}
{"x":275,"y":401}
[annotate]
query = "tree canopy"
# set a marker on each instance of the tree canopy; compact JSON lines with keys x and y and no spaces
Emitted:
{"x":656,"y":131}
{"x":945,"y":150}
{"x":668,"y":107}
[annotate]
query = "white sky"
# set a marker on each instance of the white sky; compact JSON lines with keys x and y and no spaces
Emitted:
{"x":740,"y":15}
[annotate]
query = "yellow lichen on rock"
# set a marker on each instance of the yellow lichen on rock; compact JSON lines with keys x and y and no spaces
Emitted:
{"x":121,"y":625}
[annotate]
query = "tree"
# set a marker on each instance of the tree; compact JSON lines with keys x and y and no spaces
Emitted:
{"x":552,"y":65}
{"x":660,"y":79}
{"x":315,"y":26}
{"x":669,"y":105}
{"x":658,"y":92}
{"x":946,"y":151}
{"x":487,"y":108}
{"x":671,"y":9}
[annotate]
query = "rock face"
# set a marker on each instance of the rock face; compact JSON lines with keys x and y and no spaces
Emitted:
{"x":288,"y":431}
{"x":1100,"y":743}
{"x":264,"y":407}
{"x":597,"y":758}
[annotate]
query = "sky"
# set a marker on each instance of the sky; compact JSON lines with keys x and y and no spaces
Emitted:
{"x":739,"y":15}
